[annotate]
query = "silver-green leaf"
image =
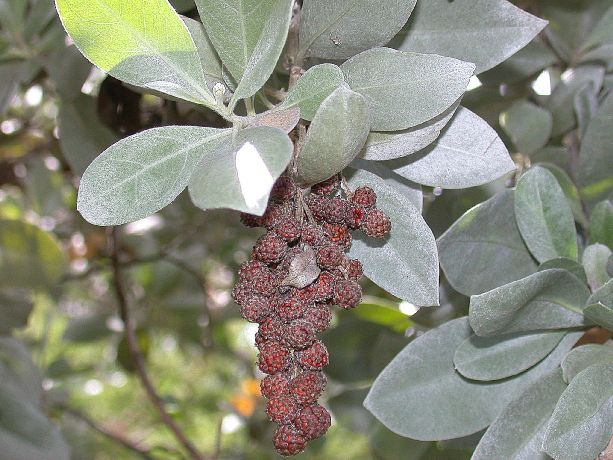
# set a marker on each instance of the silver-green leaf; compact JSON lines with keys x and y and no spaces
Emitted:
{"x":528,"y":126}
{"x":594,"y":260}
{"x":596,"y":156}
{"x":549,"y":299}
{"x":483,"y":249}
{"x":494,"y":358}
{"x":338,"y":29}
{"x":335,"y":137}
{"x":544,"y":217}
{"x":467,"y":153}
{"x":312,"y":88}
{"x":582,"y":357}
{"x":484,"y":32}
{"x":405,"y":89}
{"x":266,"y":52}
{"x":125,"y":39}
{"x":141,"y":174}
{"x":582,"y":423}
{"x":242,"y":171}
{"x":405,"y":263}
{"x":517,"y":433}
{"x":420,"y":395}
{"x":397,"y":144}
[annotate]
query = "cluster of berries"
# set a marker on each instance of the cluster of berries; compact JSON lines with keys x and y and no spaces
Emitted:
{"x":299,"y":268}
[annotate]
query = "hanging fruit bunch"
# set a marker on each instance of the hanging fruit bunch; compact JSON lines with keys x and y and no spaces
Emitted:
{"x":298,"y":270}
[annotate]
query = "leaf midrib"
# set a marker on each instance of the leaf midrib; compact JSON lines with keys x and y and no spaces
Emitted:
{"x":162,"y":160}
{"x":149,"y":47}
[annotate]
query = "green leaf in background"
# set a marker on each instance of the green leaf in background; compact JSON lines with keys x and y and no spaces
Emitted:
{"x":571,"y":22}
{"x":582,"y":357}
{"x":582,"y":423}
{"x":11,"y":75}
{"x":141,"y":174}
{"x":335,"y":137}
{"x":211,"y":65}
{"x":406,"y":89}
{"x":565,"y":264}
{"x":549,"y":299}
{"x":528,"y":126}
{"x":601,"y":224}
{"x":405,"y":263}
{"x":135,"y":45}
{"x":467,"y":153}
{"x":15,"y":308}
{"x":561,"y":101}
{"x":517,"y":433}
{"x":68,"y":69}
{"x":338,"y":29}
{"x":570,"y":191}
{"x":82,"y":135}
{"x":18,"y":371}
{"x":602,"y":33}
{"x":420,"y":395}
{"x":544,"y":217}
{"x":389,"y":446}
{"x":348,"y":349}
{"x":494,"y":358}
{"x":396,"y":144}
{"x":313,"y":88}
{"x":25,"y":433}
{"x":484,"y":32}
{"x":594,"y":260}
{"x":383,"y":312}
{"x":29,"y":257}
{"x":87,"y":328}
{"x":483,"y":249}
{"x":241,"y":172}
{"x":596,"y":156}
{"x":266,"y":52}
{"x":601,"y":314}
{"x":528,"y":61}
{"x":586,"y":106}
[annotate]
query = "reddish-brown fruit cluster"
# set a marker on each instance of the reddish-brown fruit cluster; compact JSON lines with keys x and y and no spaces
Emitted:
{"x":298,"y":269}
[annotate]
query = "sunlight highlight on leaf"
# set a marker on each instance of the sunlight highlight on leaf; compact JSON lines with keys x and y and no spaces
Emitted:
{"x":253,"y":175}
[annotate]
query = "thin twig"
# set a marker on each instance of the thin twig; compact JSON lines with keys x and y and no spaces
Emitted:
{"x":112,"y":435}
{"x":135,"y":352}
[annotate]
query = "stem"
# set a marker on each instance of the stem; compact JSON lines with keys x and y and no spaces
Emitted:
{"x":135,"y":352}
{"x":249,"y":107}
{"x":113,"y":436}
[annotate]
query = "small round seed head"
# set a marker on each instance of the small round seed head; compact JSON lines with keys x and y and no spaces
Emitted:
{"x":270,"y":248}
{"x":307,"y":386}
{"x":377,"y":224}
{"x":364,"y":197}
{"x":347,"y":294}
{"x":314,"y":358}
{"x":275,"y":385}
{"x":282,"y":409}
{"x":313,"y":421}
{"x":273,"y":357}
{"x":288,"y":440}
{"x":299,"y":334}
{"x":329,"y":256}
{"x":319,"y":316}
